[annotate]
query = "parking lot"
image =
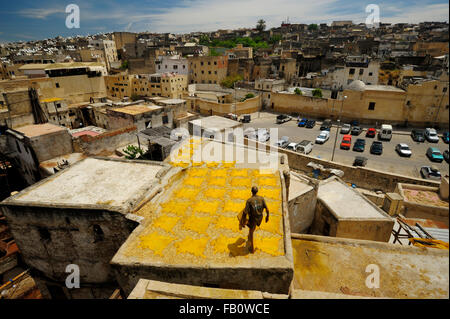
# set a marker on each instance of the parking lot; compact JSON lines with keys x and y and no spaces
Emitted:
{"x":389,"y":161}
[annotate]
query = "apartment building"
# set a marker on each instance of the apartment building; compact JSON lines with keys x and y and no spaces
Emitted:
{"x":207,"y":69}
{"x":168,"y":85}
{"x":174,"y":64}
{"x":109,"y":49}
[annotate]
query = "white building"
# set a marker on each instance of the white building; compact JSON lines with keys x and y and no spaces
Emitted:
{"x":355,"y":68}
{"x":173,"y":64}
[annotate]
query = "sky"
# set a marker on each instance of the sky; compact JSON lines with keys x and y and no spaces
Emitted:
{"x":25,"y":20}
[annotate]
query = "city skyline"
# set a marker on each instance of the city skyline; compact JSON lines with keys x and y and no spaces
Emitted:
{"x":25,"y":21}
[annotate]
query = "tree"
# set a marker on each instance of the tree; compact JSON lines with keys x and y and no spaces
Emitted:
{"x":313,"y":27}
{"x":133,"y":152}
{"x":317,"y":93}
{"x":261,"y":25}
{"x":134,"y":97}
{"x":298,"y":91}
{"x":124,"y":65}
{"x":230,"y":80}
{"x":250,"y":95}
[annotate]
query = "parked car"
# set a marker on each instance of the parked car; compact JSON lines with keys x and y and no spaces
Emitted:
{"x":326,"y":125}
{"x":283,"y":142}
{"x":371,"y":132}
{"x":245,"y":118}
{"x":376,"y":148}
{"x":431,"y":135}
{"x":346,"y":128}
{"x":385,"y":132}
{"x":356,"y":130}
{"x":418,"y":135}
{"x":283,"y":118}
{"x":346,"y":142}
{"x":360,"y":161}
{"x":232,"y":116}
{"x":310,"y":123}
{"x":430,"y":172}
{"x":354,"y":123}
{"x":302,"y":122}
{"x":403,"y":150}
{"x":292,"y":146}
{"x":323,"y":137}
{"x":261,"y":134}
{"x":304,"y":147}
{"x":359,"y":145}
{"x":445,"y":154}
{"x":434,"y":155}
{"x":445,"y":137}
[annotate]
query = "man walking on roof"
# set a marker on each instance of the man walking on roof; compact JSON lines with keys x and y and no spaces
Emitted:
{"x":252,"y":215}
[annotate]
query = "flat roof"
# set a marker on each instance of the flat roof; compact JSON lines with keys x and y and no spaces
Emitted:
{"x":53,"y":99}
{"x":214,"y":122}
{"x":93,"y":181}
{"x":136,"y":109}
{"x":55,"y":66}
{"x":373,"y":87}
{"x":173,"y":101}
{"x":345,"y":202}
{"x":40,"y":129}
{"x":193,"y":222}
{"x":338,"y":265}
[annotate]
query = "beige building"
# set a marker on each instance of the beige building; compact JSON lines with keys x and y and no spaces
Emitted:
{"x":207,"y":69}
{"x":168,"y":85}
{"x":422,"y":103}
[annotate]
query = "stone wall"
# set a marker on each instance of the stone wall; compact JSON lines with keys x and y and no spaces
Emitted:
{"x":107,"y":142}
{"x":50,"y":238}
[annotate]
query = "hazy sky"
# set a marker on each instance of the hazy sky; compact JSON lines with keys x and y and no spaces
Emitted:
{"x":32,"y":20}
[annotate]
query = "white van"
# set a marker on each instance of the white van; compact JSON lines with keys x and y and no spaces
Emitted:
{"x":386,"y":132}
{"x":304,"y":147}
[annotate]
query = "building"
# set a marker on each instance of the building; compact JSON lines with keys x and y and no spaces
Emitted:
{"x":343,"y":212}
{"x":109,"y":50}
{"x":207,"y":69}
{"x":142,"y":116}
{"x":172,"y":64}
{"x":33,"y":144}
{"x":57,"y":223}
{"x":355,"y":68}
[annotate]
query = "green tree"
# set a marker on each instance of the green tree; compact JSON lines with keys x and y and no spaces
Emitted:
{"x":313,"y":27}
{"x":134,"y":97}
{"x":317,"y":93}
{"x":261,"y":25}
{"x":249,"y":95}
{"x":133,"y":152}
{"x":213,"y":52}
{"x":204,"y":40}
{"x":230,"y":80}
{"x":298,"y":91}
{"x":275,"y":39}
{"x":124,"y":65}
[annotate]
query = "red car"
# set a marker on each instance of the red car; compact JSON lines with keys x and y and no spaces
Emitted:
{"x":346,"y":142}
{"x":371,"y":132}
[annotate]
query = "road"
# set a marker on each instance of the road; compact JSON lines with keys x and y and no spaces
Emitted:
{"x":389,"y":161}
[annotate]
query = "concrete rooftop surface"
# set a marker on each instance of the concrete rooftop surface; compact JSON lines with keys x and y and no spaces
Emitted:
{"x":93,"y":181}
{"x":40,"y":129}
{"x":338,"y":265}
{"x":346,"y":202}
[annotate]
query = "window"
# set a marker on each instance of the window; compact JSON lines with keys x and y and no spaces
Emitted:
{"x":201,"y":63}
{"x":165,"y":66}
{"x":444,"y":90}
{"x":184,"y":67}
{"x":352,"y":71}
{"x":175,"y":67}
{"x":209,"y":63}
{"x":44,"y":234}
{"x":371,"y":106}
{"x":209,"y":72}
{"x":57,"y":85}
{"x":165,"y":119}
{"x":215,"y":72}
{"x":98,"y":234}
{"x":361,"y":71}
{"x":370,"y":73}
{"x":215,"y":62}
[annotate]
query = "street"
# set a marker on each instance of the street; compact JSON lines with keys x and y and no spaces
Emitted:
{"x":389,"y":161}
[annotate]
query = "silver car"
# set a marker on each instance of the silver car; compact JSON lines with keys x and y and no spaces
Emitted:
{"x":345,"y":129}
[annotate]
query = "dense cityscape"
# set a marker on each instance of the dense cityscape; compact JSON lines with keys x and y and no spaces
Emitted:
{"x":138,"y":165}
